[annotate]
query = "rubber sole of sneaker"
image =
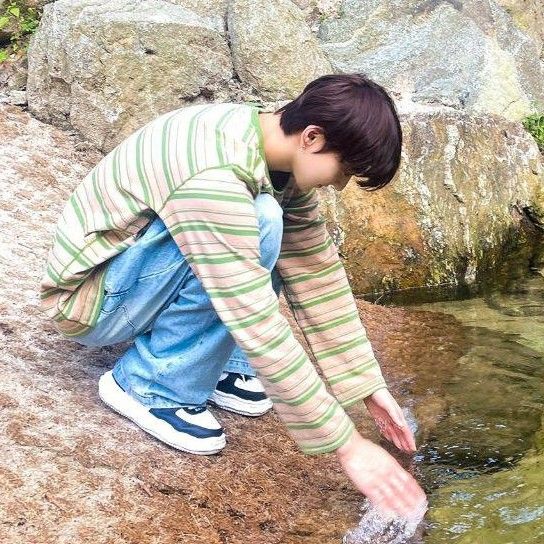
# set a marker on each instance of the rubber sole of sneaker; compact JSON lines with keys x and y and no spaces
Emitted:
{"x":232,"y":403}
{"x":122,"y":403}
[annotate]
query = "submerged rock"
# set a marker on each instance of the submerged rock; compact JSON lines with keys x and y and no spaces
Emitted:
{"x":495,"y":397}
{"x":498,"y":508}
{"x":494,"y":401}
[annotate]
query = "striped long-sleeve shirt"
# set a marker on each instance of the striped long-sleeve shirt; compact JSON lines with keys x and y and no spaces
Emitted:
{"x":199,"y":169}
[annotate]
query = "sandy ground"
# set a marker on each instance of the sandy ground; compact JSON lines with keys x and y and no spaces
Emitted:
{"x":71,"y":470}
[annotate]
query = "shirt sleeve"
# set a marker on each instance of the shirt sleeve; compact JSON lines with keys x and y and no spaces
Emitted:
{"x":318,"y":293}
{"x":212,"y":218}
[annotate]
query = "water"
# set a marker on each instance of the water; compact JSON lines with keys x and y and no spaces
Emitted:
{"x":477,"y":414}
{"x":376,"y":528}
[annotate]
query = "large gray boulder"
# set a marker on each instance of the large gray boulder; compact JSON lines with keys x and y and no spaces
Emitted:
{"x":528,"y":16}
{"x":273,"y":48}
{"x":467,"y":185}
{"x":106,"y":67}
{"x":465,"y":54}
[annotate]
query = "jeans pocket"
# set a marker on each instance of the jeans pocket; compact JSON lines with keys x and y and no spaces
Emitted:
{"x":112,"y":301}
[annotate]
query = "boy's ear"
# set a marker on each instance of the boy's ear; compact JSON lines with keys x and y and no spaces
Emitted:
{"x":314,"y":137}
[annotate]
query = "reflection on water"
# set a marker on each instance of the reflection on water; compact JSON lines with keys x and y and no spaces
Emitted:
{"x":481,"y":458}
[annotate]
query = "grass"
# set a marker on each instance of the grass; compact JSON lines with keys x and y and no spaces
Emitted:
{"x":21,"y":21}
{"x":534,"y":124}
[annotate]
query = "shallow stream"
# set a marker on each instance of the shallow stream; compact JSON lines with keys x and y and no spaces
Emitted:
{"x":481,"y":446}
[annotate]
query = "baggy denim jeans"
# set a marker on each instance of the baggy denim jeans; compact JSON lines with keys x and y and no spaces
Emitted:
{"x":180,"y":347}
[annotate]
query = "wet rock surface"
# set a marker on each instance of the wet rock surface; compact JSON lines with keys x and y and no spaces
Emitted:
{"x":456,"y":210}
{"x":73,"y":471}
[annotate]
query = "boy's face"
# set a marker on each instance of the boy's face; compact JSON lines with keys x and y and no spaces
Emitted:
{"x":312,"y":169}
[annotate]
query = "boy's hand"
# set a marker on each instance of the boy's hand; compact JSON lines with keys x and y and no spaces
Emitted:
{"x":390,"y":420}
{"x":377,"y":475}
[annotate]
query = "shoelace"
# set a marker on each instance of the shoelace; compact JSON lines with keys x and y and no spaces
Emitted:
{"x":245,"y":377}
{"x":196,"y":410}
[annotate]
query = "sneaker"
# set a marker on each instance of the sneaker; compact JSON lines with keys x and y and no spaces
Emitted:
{"x":240,"y":394}
{"x":193,"y":430}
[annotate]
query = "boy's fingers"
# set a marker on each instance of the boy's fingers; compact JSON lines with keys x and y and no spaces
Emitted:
{"x":403,"y":480}
{"x":409,"y":493}
{"x":398,"y":498}
{"x":404,"y":443}
{"x":398,"y":418}
{"x":401,"y":441}
{"x":394,"y":436}
{"x":386,"y":499}
{"x":411,"y":441}
{"x":396,"y":440}
{"x":407,"y":437}
{"x":402,"y":438}
{"x":396,"y":430}
{"x":405,"y":434}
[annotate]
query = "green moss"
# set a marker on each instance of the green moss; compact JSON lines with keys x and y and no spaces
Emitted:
{"x":534,"y":124}
{"x":21,"y":21}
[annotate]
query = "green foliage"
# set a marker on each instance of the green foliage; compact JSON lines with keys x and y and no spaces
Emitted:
{"x":534,"y":124}
{"x":22,"y":21}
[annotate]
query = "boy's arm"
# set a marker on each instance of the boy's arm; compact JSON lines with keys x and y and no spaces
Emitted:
{"x":318,"y":292}
{"x":212,"y":219}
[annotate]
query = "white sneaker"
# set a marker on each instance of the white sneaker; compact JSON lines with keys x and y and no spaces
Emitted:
{"x":193,"y":430}
{"x":241,"y":394}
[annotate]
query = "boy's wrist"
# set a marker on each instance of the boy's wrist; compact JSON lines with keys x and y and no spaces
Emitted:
{"x":352,"y":444}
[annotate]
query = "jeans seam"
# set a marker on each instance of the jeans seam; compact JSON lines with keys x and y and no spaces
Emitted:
{"x":109,"y":312}
{"x":132,"y":326}
{"x":237,"y":360}
{"x":162,"y":271}
{"x":139,"y":278}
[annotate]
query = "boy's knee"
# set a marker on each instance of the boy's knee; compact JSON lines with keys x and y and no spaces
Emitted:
{"x":269,"y":212}
{"x":270,"y":216}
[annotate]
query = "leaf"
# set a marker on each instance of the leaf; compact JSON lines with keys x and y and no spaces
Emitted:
{"x":14,"y":10}
{"x":3,"y":22}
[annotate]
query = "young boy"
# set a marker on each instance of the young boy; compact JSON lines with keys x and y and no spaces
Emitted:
{"x":181,"y":239}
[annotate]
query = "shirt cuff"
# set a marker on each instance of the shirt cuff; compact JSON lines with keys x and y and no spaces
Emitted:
{"x":352,"y":396}
{"x":343,"y":433}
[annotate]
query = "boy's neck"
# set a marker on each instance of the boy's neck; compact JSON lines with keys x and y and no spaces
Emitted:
{"x":278,"y":148}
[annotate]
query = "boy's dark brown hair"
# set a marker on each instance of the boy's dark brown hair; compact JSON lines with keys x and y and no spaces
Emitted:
{"x":359,"y":120}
